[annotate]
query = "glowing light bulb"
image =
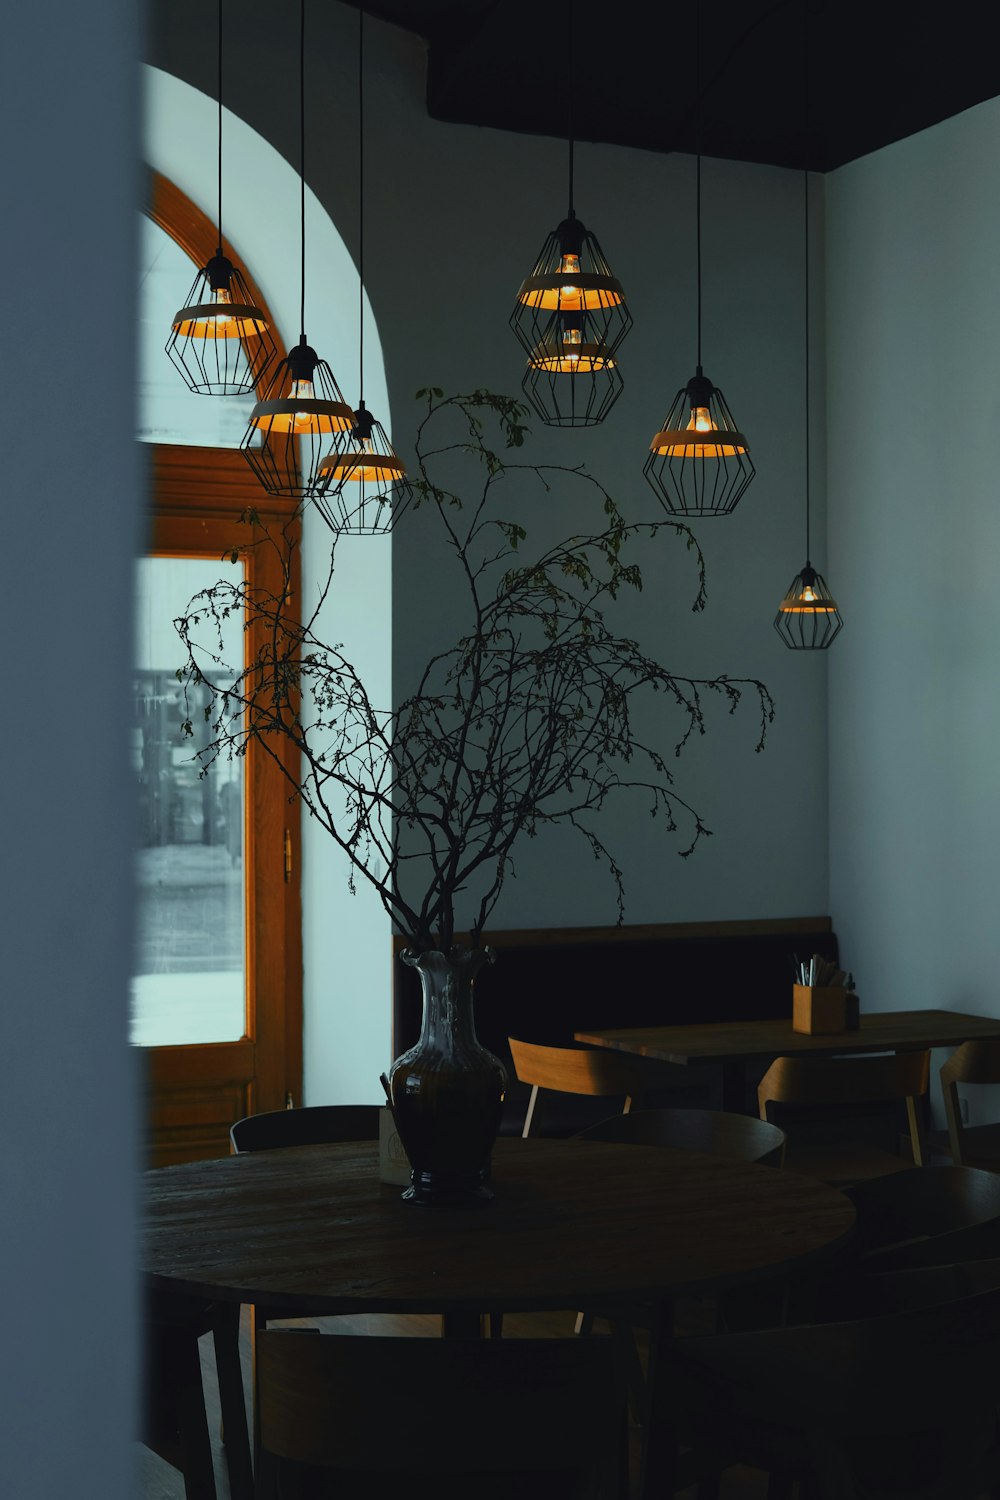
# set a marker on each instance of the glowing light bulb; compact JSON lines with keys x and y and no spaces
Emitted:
{"x":808,"y":595}
{"x":701,"y":420}
{"x":302,"y":390}
{"x":572,"y":338}
{"x":366,"y":472}
{"x":221,"y":298}
{"x":569,"y":266}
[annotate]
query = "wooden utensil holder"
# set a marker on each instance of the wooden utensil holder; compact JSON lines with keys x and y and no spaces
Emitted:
{"x":819,"y":1010}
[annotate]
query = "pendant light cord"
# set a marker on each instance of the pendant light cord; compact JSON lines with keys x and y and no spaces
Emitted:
{"x":697,"y":142}
{"x":219,"y":91}
{"x":302,"y":164}
{"x":805,"y":209}
{"x":570,"y":122}
{"x":361,"y":202}
{"x":805,"y":200}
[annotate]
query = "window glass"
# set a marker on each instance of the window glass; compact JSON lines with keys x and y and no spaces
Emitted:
{"x":189,"y":983}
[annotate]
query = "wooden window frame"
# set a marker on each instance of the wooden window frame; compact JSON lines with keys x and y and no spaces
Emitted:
{"x":197,"y":497}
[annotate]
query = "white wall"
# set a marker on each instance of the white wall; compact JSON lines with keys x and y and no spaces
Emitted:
{"x":455,"y":216}
{"x":72,"y":506}
{"x":914,"y":399}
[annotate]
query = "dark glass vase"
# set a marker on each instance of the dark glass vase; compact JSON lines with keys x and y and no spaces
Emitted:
{"x":447,"y":1091}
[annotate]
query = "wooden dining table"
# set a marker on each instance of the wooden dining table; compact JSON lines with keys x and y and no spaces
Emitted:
{"x":574,"y":1225}
{"x":735,"y":1045}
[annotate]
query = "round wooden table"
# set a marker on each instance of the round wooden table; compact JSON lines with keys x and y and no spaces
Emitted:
{"x":574,"y":1224}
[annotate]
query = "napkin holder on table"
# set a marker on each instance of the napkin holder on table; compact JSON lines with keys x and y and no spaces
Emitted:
{"x":823,"y":1010}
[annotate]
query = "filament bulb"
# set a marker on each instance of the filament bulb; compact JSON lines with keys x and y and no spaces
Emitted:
{"x":221,"y":298}
{"x":302,"y":390}
{"x":808,"y":595}
{"x":569,"y":266}
{"x":701,"y":420}
{"x":572,"y":338}
{"x":366,"y":471}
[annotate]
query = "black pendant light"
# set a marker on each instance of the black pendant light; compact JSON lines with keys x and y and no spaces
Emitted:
{"x":302,"y":411}
{"x":808,"y":618}
{"x":220,"y":343}
{"x":570,"y":316}
{"x":365,"y":485}
{"x":699,"y":462}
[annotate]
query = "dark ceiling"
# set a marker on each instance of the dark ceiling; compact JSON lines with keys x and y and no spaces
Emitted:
{"x":878,"y":71}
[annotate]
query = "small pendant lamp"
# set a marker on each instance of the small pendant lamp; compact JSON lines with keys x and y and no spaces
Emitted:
{"x":808,"y":618}
{"x":365,"y":488}
{"x":302,"y":409}
{"x":570,"y":317}
{"x":699,"y":462}
{"x":220,"y":343}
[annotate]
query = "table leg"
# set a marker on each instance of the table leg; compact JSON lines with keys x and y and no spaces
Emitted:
{"x":658,"y":1472}
{"x":734,"y":1090}
{"x":462,"y":1325}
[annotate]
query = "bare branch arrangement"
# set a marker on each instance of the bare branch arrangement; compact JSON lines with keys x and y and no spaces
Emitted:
{"x":526,"y":721}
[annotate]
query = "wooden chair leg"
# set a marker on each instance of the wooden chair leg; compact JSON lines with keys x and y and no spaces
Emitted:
{"x":175,"y":1424}
{"x":236,"y":1436}
{"x":195,"y":1444}
{"x":628,"y":1354}
{"x":533,"y":1114}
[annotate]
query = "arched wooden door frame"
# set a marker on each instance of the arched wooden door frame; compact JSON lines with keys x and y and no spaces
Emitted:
{"x":197,"y":496}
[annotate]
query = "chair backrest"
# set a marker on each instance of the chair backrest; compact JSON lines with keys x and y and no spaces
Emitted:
{"x":573,"y":1070}
{"x":739,"y":1137}
{"x":316,"y":1125}
{"x":972,"y":1062}
{"x":807,"y":1082}
{"x":447,"y":1407}
{"x":933,"y":1217}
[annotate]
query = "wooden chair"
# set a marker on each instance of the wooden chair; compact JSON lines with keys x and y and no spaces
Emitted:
{"x":316,"y":1125}
{"x":854,"y":1408}
{"x":972,"y":1063}
{"x":593,"y":1071}
{"x":922,"y":1218}
{"x":174,"y":1421}
{"x":739,"y":1137}
{"x":436,"y":1418}
{"x":907,"y":1222}
{"x":841,"y":1086}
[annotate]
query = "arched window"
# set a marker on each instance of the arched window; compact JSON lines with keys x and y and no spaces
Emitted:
{"x":216,"y":1006}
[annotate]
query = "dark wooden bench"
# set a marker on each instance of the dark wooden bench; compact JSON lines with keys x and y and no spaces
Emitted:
{"x":548,"y":983}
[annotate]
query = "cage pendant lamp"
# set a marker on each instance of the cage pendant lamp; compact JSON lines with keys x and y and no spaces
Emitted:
{"x":808,"y":618}
{"x":571,"y":316}
{"x":220,"y":343}
{"x":364,"y":489}
{"x":302,"y":412}
{"x":699,"y":462}
{"x":570,"y":319}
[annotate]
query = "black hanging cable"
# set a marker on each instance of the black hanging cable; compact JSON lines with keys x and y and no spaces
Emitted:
{"x":220,"y":124}
{"x":361,"y":202}
{"x":805,"y":230}
{"x":302,"y":163}
{"x":805,"y":199}
{"x":571,"y":123}
{"x":697,"y":142}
